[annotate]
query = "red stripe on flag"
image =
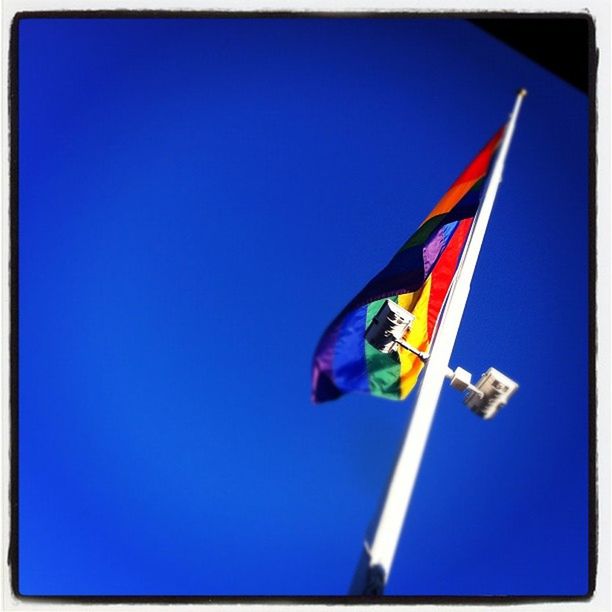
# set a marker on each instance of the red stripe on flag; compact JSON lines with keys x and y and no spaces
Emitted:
{"x":443,"y":272}
{"x":480,"y":165}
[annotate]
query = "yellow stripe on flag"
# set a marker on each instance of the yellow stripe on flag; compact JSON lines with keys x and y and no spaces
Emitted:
{"x":410,"y":364}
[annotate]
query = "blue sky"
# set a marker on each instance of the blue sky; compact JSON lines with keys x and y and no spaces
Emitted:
{"x":198,"y":199}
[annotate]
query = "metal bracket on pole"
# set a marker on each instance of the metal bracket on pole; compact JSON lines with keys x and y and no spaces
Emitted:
{"x":461,"y":380}
{"x":420,"y":354}
{"x":388,"y":328}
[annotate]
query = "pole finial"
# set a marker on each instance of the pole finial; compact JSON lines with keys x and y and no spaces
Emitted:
{"x":522,"y":92}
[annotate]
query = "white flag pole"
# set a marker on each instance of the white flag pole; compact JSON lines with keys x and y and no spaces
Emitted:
{"x":399,"y":492}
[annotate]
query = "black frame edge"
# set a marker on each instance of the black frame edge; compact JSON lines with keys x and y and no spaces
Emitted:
{"x":13,"y":109}
{"x":593,"y":529}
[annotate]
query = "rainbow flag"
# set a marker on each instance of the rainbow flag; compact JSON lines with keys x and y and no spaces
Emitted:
{"x":417,"y":278}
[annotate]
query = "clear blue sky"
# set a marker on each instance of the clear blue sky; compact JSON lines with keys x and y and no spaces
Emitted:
{"x":198,"y":199}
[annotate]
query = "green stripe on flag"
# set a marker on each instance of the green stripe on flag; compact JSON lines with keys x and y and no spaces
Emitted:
{"x":383,"y":368}
{"x":425,"y":231}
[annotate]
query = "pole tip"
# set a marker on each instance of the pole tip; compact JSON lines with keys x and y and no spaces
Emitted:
{"x":522,"y":92}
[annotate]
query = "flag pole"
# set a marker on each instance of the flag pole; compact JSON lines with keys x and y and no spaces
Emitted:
{"x":382,"y":549}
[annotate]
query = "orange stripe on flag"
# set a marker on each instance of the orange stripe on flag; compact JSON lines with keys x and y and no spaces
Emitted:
{"x":475,"y":171}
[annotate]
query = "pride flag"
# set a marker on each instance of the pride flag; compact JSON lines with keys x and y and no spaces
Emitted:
{"x":417,"y":278}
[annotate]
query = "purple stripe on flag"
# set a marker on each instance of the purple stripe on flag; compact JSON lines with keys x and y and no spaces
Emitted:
{"x":435,"y":245}
{"x":323,"y":387}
